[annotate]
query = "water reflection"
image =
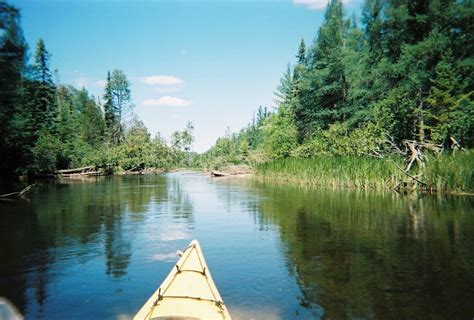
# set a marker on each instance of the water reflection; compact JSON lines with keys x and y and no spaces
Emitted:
{"x":362,"y":255}
{"x":77,"y":220}
{"x":179,"y":200}
{"x":276,"y":251}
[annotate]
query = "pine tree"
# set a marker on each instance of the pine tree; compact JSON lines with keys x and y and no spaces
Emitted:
{"x":109,"y":111}
{"x":117,"y":103}
{"x":12,"y":66}
{"x":93,"y":125}
{"x":68,"y":127}
{"x":372,"y":19}
{"x":442,"y":102}
{"x":45,"y":108}
{"x":323,"y":95}
{"x":301,"y":56}
{"x":284,"y":89}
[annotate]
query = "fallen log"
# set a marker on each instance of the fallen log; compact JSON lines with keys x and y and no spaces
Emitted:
{"x":75,"y":170}
{"x":218,"y":174}
{"x":18,"y":193}
{"x":81,"y":174}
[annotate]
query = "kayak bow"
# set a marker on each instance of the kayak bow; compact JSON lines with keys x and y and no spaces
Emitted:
{"x":188,"y":292}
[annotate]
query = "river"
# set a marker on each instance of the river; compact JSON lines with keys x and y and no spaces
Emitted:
{"x":97,"y":249}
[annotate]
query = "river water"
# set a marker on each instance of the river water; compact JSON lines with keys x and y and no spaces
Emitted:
{"x":97,"y":249}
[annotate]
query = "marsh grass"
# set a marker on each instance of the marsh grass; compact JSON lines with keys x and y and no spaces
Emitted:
{"x":451,"y":172}
{"x":442,"y":173}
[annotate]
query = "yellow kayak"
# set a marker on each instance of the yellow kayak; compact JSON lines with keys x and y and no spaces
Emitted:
{"x":188,"y":292}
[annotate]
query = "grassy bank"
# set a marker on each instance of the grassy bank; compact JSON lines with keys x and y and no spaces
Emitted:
{"x":445,"y":173}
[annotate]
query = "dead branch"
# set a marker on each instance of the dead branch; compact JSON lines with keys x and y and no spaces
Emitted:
{"x":18,"y":193}
{"x":413,"y":177}
{"x":393,"y":147}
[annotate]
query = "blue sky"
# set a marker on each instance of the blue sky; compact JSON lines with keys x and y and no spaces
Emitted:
{"x":210,"y":62}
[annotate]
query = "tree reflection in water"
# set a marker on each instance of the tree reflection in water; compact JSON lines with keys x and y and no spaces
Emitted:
{"x":369,"y":255}
{"x":76,"y":219}
{"x":275,"y":250}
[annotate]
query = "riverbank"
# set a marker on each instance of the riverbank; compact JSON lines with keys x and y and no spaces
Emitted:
{"x":450,"y":173}
{"x":446,"y":173}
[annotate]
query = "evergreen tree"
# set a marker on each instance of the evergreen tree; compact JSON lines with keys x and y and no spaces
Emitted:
{"x":68,"y":128}
{"x":117,"y":103}
{"x":109,"y":110}
{"x":44,"y":100}
{"x":301,"y":56}
{"x":451,"y":116}
{"x":325,"y":91}
{"x":93,"y":125}
{"x":372,"y":19}
{"x":284,"y":89}
{"x":12,"y":66}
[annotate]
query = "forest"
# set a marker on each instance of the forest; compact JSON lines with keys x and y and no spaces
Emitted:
{"x":374,"y":101}
{"x":47,"y":126}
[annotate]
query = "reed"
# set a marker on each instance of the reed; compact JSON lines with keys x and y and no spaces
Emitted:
{"x":451,"y":172}
{"x":442,"y":173}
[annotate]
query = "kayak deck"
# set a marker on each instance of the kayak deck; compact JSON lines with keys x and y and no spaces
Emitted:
{"x":188,"y":292}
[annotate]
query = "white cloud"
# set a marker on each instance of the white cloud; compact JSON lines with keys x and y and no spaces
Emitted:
{"x":167,"y":101}
{"x":162,"y":81}
{"x":311,"y":4}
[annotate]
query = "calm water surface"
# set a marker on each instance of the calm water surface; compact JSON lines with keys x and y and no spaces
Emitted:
{"x":99,"y":248}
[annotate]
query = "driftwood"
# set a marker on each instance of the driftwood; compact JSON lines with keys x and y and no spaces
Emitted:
{"x":414,"y":153}
{"x":18,"y":193}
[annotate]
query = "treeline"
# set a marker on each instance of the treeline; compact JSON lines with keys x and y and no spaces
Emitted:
{"x":47,"y":126}
{"x":403,"y":72}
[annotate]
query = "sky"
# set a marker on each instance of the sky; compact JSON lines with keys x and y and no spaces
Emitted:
{"x":209,"y":62}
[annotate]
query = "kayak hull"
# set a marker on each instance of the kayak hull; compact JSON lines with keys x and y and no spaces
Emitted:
{"x":188,"y":292}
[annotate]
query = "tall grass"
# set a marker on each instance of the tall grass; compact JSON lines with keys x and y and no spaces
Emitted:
{"x":451,"y":172}
{"x":443,"y":173}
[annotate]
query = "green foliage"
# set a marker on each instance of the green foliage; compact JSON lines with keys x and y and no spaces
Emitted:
{"x":406,"y":74}
{"x":451,"y":114}
{"x":43,"y":93}
{"x":12,"y":67}
{"x":45,"y":154}
{"x":338,"y":140}
{"x":279,"y":133}
{"x":117,"y":98}
{"x":49,"y":127}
